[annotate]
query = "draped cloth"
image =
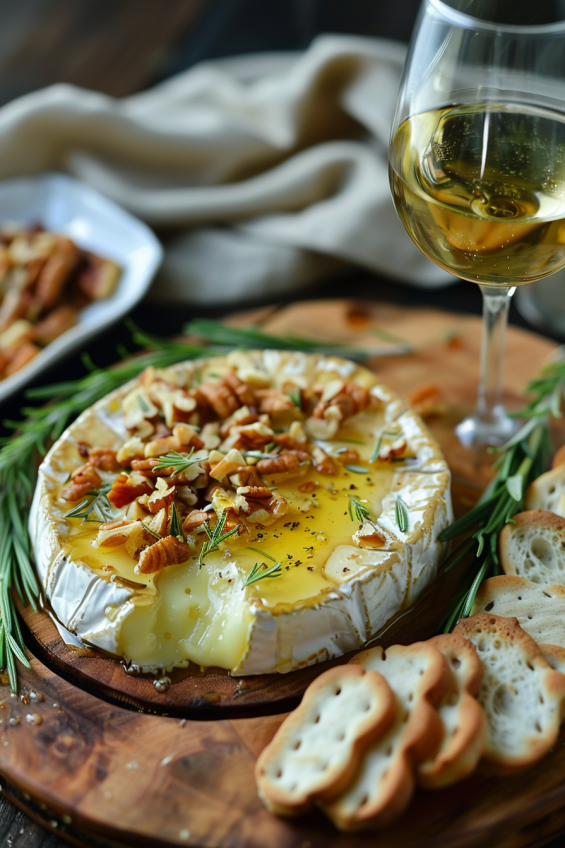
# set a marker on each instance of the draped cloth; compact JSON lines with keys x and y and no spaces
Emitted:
{"x":266,"y":172}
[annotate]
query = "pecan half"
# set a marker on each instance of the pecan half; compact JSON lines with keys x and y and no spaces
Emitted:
{"x":165,"y":552}
{"x":226,"y":395}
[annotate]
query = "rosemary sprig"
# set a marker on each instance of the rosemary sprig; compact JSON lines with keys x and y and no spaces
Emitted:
{"x":216,"y":332}
{"x":175,"y":528}
{"x":259,"y":572}
{"x":257,"y":551}
{"x":215,"y":538}
{"x":98,"y":504}
{"x":357,"y":512}
{"x":401,"y":515}
{"x":179,"y":462}
{"x":520,"y":461}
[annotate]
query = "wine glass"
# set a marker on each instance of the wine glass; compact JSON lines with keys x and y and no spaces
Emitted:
{"x":477,"y":161}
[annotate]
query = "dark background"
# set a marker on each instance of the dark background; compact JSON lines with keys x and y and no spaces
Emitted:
{"x":123,"y":46}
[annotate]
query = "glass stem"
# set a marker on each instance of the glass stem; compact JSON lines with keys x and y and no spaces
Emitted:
{"x":496,"y":302}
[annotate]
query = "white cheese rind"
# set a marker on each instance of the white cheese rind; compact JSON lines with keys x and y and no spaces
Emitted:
{"x":358,"y":603}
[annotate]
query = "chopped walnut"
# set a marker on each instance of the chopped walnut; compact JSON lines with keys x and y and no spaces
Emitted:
{"x":83,"y":480}
{"x":126,"y":488}
{"x":165,"y":552}
{"x":260,"y":505}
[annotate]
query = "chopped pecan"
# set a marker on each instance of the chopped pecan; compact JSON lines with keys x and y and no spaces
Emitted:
{"x":348,"y":400}
{"x":14,"y":306}
{"x":349,"y":456}
{"x":323,"y":463}
{"x":249,"y":437}
{"x":165,"y":552}
{"x":259,"y":504}
{"x":227,"y":395}
{"x":245,"y":476}
{"x":240,"y":417}
{"x":208,"y":493}
{"x":273,"y":402}
{"x":83,"y":480}
{"x":389,"y":450}
{"x":221,"y":466}
{"x":56,"y":272}
{"x":126,"y":489}
{"x":57,"y":322}
{"x":114,"y":533}
{"x":159,"y":522}
{"x":308,"y":487}
{"x":210,"y":435}
{"x":187,"y":494}
{"x":99,"y":277}
{"x":195,"y":519}
{"x":286,"y":462}
{"x":132,"y":449}
{"x":161,"y":498}
{"x":146,"y":467}
{"x":104,"y":459}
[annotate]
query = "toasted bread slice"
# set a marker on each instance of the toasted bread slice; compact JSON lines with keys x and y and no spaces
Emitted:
{"x":383,"y":786}
{"x":534,"y":547}
{"x":540,"y":609}
{"x":317,"y":749}
{"x":555,"y":656}
{"x":463,"y":718}
{"x":548,"y":491}
{"x":521,"y":694}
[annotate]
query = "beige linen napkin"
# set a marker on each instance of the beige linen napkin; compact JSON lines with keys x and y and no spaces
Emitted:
{"x":272,"y":168}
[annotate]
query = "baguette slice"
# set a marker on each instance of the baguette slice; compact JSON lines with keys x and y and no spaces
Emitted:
{"x":548,"y":491}
{"x":521,"y":694}
{"x":555,"y":656}
{"x":383,"y":786}
{"x":540,"y":609}
{"x":534,"y":547}
{"x":463,"y":718}
{"x":317,"y":749}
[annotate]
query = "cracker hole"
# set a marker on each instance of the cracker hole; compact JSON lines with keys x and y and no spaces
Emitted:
{"x":363,"y":800}
{"x":388,"y":751}
{"x":541,"y":699}
{"x":497,"y":644}
{"x":455,"y":662}
{"x":453,"y":698}
{"x":337,"y":692}
{"x":547,"y":595}
{"x":406,"y":717}
{"x":341,"y":737}
{"x":411,"y":696}
{"x":530,"y":666}
{"x":297,"y":744}
{"x":538,"y":727}
{"x":279,"y":773}
{"x":490,"y":606}
{"x":530,"y":617}
{"x":317,"y":719}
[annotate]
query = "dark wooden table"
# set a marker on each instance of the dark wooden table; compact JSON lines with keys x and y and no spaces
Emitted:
{"x":123,"y":46}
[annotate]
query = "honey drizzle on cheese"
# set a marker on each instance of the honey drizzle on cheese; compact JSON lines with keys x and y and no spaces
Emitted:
{"x":205,"y":616}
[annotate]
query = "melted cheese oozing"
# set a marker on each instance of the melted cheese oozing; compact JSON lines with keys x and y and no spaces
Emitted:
{"x":205,"y":615}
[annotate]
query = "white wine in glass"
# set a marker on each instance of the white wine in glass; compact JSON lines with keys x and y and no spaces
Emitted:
{"x":477,"y":162}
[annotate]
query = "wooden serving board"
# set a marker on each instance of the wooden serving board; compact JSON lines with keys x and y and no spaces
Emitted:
{"x":85,"y":760}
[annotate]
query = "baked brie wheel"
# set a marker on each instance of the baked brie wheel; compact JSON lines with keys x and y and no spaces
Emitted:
{"x":257,"y":512}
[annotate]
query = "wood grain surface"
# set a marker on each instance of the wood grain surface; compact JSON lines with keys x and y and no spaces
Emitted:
{"x":126,"y":777}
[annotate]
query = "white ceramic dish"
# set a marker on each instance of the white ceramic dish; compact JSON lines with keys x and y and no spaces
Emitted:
{"x":65,"y":205}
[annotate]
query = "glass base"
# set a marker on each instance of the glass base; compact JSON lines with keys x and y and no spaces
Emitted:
{"x":476,"y":431}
